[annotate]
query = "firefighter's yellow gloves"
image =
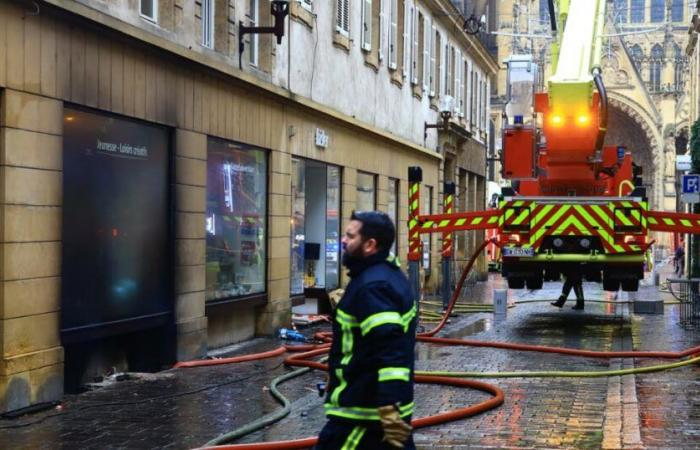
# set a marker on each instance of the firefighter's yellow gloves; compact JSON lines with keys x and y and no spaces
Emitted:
{"x":396,"y":431}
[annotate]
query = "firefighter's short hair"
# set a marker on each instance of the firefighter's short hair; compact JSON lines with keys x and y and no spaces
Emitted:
{"x":376,"y":225}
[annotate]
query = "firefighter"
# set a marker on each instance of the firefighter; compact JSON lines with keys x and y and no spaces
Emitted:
{"x":573,"y":279}
{"x":369,"y":400}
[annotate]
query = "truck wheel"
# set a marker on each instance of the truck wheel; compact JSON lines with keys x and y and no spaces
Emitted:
{"x":611,"y":285}
{"x":516,"y":283}
{"x":595,"y":277}
{"x":630,"y":285}
{"x":534,"y":283}
{"x":551,"y":275}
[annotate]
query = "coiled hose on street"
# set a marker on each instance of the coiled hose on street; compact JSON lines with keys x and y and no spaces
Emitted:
{"x":430,"y":377}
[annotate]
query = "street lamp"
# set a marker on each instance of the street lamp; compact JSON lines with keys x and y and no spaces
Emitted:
{"x":279,"y":10}
{"x":446,"y":106}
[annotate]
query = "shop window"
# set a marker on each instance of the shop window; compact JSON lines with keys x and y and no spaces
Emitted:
{"x":235,"y":220}
{"x":366,"y":191}
{"x":315,"y":246}
{"x":393,"y":210}
{"x":149,"y":10}
{"x":115,"y":239}
{"x":427,"y":209}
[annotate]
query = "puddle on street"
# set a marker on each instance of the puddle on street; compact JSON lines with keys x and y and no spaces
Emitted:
{"x":433,"y":351}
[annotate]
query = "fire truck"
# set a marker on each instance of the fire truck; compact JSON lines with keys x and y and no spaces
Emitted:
{"x":574,"y":203}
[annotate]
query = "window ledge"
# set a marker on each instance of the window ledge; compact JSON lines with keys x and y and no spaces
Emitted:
{"x":372,"y":61}
{"x":340,"y":41}
{"x":302,"y":15}
{"x":396,"y":77}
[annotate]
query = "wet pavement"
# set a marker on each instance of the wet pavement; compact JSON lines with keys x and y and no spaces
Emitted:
{"x":187,"y":407}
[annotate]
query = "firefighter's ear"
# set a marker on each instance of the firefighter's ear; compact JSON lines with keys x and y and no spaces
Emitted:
{"x":369,"y":246}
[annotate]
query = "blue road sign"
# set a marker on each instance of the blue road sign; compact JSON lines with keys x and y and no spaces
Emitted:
{"x":691,"y":184}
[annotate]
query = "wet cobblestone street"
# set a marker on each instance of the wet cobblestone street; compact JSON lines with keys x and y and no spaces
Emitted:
{"x":187,"y":407}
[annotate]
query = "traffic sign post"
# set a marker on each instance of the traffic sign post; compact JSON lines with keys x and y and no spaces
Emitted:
{"x":690,"y":188}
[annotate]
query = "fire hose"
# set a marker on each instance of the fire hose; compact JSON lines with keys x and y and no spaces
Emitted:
{"x":429,"y":377}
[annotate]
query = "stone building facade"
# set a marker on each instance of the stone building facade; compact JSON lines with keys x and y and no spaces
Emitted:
{"x":151,"y":172}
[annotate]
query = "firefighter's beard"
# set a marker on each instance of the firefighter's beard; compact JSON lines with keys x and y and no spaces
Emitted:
{"x":352,"y":258}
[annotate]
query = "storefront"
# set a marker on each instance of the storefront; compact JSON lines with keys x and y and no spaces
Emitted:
{"x":315,"y":227}
{"x":116,"y":277}
{"x":236,"y":221}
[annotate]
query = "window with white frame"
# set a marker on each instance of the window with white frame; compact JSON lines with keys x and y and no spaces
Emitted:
{"x":382,"y":29}
{"x":444,"y":64}
{"x":434,"y":58}
{"x":366,"y":30}
{"x":414,"y":45}
{"x":459,"y":84}
{"x":426,"y":53}
{"x":342,"y":17}
{"x":468,"y":91}
{"x":208,"y":23}
{"x":407,"y":21}
{"x":254,"y":17}
{"x":394,"y":34}
{"x":149,"y":10}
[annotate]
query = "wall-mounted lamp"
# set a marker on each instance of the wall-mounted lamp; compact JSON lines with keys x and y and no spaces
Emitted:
{"x":473,"y":26}
{"x":279,"y":10}
{"x":446,"y":106}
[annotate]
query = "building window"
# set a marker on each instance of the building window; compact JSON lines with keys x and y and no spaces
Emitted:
{"x":315,"y":249}
{"x":679,"y":65}
{"x":637,"y":55}
{"x":254,"y":18}
{"x":619,"y":10}
{"x":425,"y":33}
{"x":149,"y":10}
{"x":414,"y":45}
{"x":657,"y":10}
{"x":208,"y":23}
{"x":427,"y":209}
{"x":342,"y":17}
{"x":366,"y":31}
{"x":394,"y":34}
{"x":637,"y":8}
{"x":655,"y":63}
{"x":434,"y":60}
{"x":235,"y":220}
{"x":366,"y":191}
{"x":677,"y":11}
{"x":544,"y":13}
{"x":393,"y":210}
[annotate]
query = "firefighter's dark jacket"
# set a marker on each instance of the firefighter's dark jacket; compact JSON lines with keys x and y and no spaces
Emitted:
{"x":374,"y":333}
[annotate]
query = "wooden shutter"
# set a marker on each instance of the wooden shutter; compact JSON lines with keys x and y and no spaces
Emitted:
{"x":433,"y":55}
{"x":458,"y":82}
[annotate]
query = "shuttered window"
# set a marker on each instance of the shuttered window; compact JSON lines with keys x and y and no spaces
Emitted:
{"x":382,"y":30}
{"x":407,"y":10}
{"x":342,"y":22}
{"x":208,"y":23}
{"x":254,"y":16}
{"x":394,"y":34}
{"x":458,"y":82}
{"x":415,"y":27}
{"x":366,"y":25}
{"x":426,"y":53}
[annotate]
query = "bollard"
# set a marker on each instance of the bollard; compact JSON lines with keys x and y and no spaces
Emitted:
{"x":500,"y":302}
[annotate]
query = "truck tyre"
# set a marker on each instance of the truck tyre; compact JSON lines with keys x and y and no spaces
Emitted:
{"x":551,"y":275}
{"x":630,"y":285}
{"x":612,"y":285}
{"x":516,"y":283}
{"x":534,"y":283}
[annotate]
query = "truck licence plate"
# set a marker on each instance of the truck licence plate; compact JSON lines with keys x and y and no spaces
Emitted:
{"x":518,"y":251}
